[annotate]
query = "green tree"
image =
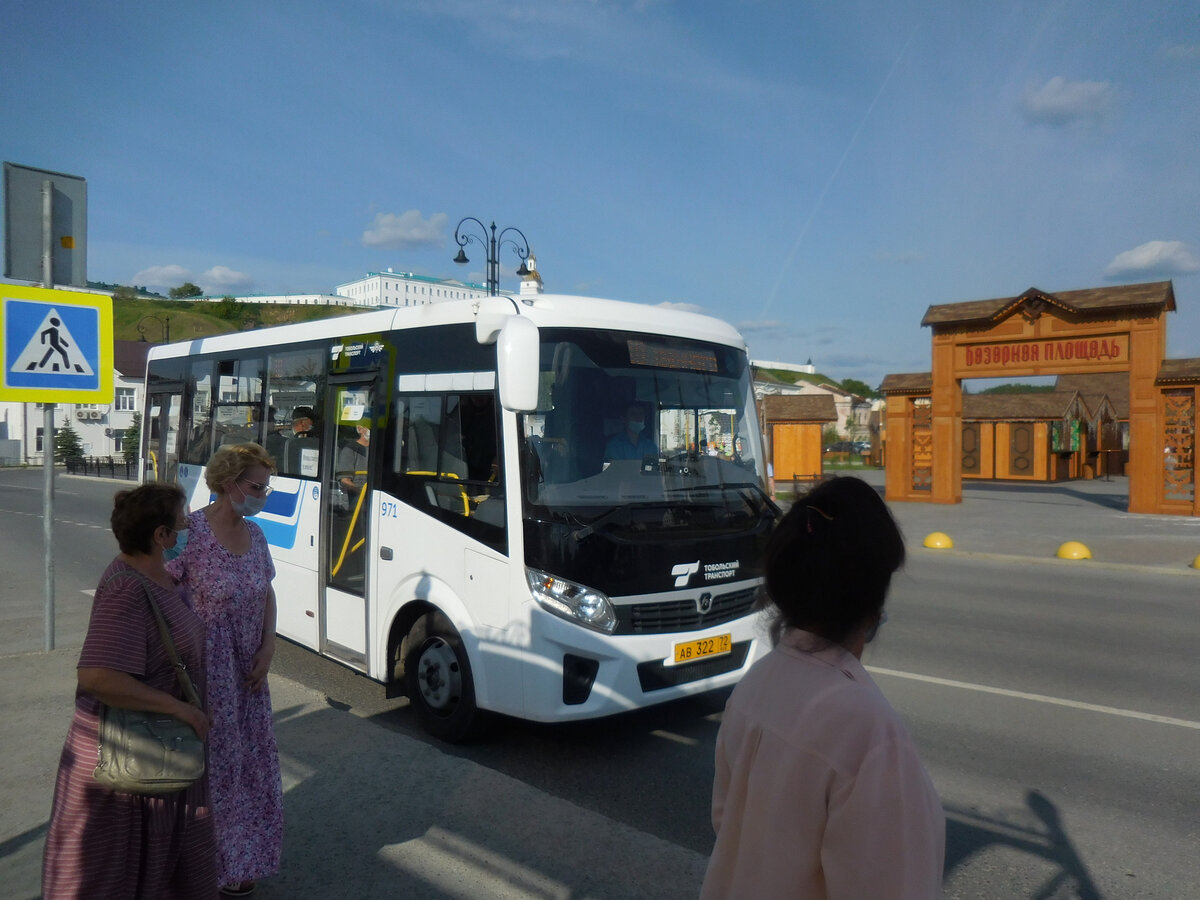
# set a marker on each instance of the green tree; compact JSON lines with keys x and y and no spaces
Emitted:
{"x":1019,"y":388}
{"x":227,"y":308}
{"x":124,"y":292}
{"x":66,"y":444}
{"x":854,"y":386}
{"x":829,"y":435}
{"x":131,"y":440}
{"x":186,"y":290}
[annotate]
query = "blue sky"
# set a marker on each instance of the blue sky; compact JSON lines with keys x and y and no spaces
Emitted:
{"x":817,"y":174}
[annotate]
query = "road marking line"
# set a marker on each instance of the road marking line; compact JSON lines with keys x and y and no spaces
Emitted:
{"x":57,"y":521}
{"x":1038,"y":698}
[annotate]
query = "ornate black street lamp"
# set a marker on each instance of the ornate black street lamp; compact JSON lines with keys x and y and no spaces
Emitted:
{"x":164,"y":324}
{"x":492,"y":245}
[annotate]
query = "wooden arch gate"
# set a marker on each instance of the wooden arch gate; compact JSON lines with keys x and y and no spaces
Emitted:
{"x":1115,"y":329}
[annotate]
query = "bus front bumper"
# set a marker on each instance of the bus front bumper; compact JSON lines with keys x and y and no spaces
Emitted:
{"x":583,"y":674}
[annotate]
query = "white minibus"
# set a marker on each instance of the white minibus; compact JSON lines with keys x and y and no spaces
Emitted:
{"x":549,"y":507}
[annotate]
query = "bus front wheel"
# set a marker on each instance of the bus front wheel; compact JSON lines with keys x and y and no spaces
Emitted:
{"x":438,"y":682}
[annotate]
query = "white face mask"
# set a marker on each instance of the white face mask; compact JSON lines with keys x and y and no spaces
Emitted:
{"x":635,"y":427}
{"x":181,"y":537}
{"x":247,"y":506}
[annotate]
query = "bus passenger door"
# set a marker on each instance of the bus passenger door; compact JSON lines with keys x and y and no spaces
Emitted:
{"x":160,"y":458}
{"x":347,"y":476}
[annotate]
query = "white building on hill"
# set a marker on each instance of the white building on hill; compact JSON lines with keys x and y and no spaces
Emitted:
{"x":393,"y":288}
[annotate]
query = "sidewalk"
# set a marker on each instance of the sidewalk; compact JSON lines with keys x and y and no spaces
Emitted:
{"x":368,"y":813}
{"x":1031,"y":521}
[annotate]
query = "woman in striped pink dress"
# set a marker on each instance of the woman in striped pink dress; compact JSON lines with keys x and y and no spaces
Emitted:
{"x":103,"y":844}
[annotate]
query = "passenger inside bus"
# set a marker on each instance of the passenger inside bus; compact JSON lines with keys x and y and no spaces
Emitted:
{"x":631,"y":441}
{"x":304,"y":422}
{"x":300,"y":444}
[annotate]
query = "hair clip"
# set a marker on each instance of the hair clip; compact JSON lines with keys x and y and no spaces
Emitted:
{"x":811,"y":509}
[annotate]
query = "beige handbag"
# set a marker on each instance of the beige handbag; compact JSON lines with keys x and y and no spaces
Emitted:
{"x":149,"y":752}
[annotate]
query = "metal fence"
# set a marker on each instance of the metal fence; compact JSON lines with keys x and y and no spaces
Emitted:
{"x":106,"y":466}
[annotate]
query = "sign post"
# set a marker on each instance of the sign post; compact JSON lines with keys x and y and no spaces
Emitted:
{"x":57,"y":347}
{"x":48,"y":441}
{"x":50,"y":247}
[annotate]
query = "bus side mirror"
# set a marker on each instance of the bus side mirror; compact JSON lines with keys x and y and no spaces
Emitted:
{"x":517,"y":355}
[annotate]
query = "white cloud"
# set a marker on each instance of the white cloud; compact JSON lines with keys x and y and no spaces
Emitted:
{"x":222,"y":280}
{"x":1154,"y":258}
{"x":217,"y":280}
{"x":162,"y":278}
{"x":1060,"y":102}
{"x":406,"y":230}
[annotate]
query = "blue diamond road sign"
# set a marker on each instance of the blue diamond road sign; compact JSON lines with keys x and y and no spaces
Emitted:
{"x":57,"y":346}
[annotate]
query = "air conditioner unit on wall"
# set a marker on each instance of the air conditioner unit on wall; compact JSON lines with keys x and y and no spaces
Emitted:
{"x":81,"y":413}
{"x":108,"y":432}
{"x":96,"y":414}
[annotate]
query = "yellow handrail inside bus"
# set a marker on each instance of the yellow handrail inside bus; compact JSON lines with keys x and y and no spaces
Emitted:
{"x":154,"y":464}
{"x":336,"y":567}
{"x":465,"y":499}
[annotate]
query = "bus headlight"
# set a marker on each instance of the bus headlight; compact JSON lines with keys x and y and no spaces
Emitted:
{"x":572,"y":601}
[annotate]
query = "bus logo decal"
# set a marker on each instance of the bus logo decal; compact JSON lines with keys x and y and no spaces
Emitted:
{"x":684,"y":571}
{"x":704,"y":602}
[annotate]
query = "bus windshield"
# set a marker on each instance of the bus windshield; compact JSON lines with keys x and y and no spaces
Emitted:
{"x":643,"y":434}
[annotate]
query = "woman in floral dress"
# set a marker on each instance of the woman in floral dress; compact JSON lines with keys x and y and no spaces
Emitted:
{"x":227,"y":569}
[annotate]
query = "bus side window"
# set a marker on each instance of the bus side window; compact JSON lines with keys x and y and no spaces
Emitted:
{"x":428,"y":470}
{"x":197,"y":443}
{"x":295,"y":397}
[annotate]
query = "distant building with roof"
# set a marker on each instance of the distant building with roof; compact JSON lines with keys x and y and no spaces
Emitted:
{"x":376,"y":290}
{"x":101,"y":427}
{"x":391,"y":288}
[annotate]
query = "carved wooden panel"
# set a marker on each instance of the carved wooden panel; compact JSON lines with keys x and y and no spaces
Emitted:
{"x":1179,"y":444}
{"x":922,"y":444}
{"x":970,"y":448}
{"x":1021,"y":445}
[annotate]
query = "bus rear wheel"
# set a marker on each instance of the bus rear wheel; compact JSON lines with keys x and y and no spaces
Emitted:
{"x":437,"y":679}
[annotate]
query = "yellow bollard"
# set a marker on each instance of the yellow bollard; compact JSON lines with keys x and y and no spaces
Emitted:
{"x":1196,"y":563}
{"x":939,"y":540}
{"x":1073,"y":550}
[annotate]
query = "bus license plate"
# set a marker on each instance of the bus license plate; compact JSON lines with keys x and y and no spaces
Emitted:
{"x":705,"y":648}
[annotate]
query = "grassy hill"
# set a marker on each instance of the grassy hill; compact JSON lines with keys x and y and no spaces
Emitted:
{"x":187,"y":319}
{"x":793,"y":377}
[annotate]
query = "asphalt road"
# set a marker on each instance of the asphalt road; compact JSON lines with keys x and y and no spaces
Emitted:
{"x":1056,"y":706}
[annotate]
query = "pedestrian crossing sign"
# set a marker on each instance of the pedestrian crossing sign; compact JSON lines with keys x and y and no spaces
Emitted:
{"x":57,"y":346}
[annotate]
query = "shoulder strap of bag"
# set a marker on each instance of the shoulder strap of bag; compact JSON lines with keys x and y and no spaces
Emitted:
{"x":185,"y":681}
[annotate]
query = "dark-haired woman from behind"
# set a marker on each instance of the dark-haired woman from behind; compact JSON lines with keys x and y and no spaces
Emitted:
{"x":104,"y":844}
{"x":819,"y":791}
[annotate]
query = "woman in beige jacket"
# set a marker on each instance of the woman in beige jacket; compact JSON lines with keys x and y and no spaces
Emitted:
{"x":819,"y":791}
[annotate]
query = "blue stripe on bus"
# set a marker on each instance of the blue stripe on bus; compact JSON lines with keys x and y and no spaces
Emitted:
{"x":284,"y":505}
{"x":279,"y":534}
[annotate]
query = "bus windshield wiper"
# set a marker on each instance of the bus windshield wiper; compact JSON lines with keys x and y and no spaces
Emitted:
{"x":623,"y":513}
